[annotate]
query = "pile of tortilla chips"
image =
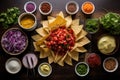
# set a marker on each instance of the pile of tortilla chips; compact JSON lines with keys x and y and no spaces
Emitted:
{"x":53,"y":23}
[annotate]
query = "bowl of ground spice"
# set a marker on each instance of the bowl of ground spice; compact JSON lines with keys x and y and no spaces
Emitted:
{"x":45,"y":8}
{"x":110,"y":64}
{"x":72,"y":7}
{"x":88,"y":7}
{"x":30,"y":7}
{"x":27,"y":21}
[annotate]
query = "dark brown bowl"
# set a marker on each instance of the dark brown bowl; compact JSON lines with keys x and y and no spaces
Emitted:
{"x":12,"y":53}
{"x":116,"y":40}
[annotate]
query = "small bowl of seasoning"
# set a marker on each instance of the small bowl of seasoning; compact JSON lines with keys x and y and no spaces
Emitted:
{"x":27,"y":21}
{"x":13,"y":65}
{"x":110,"y":64}
{"x":82,"y":69}
{"x":45,"y":8}
{"x":72,"y":7}
{"x":88,"y":7}
{"x":30,"y":7}
{"x":44,"y":69}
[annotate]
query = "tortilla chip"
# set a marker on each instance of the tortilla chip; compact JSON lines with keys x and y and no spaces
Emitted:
{"x":50,"y":59}
{"x":61,"y":14}
{"x":37,"y":48}
{"x":76,"y":22}
{"x":83,"y":42}
{"x":41,"y":32}
{"x":42,"y":40}
{"x":69,"y":21}
{"x":61,"y":61}
{"x":82,"y":34}
{"x":47,"y":30}
{"x":57,"y":57}
{"x":59,"y":21}
{"x":80,"y":49}
{"x":74,"y":55}
{"x":77,"y":29}
{"x":36,"y":37}
{"x":44,"y":23}
{"x":51,"y":19}
{"x":68,"y":60}
{"x":44,"y":52}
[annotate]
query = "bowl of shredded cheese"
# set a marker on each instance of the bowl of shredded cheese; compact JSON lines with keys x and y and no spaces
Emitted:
{"x":27,"y":21}
{"x":88,"y":7}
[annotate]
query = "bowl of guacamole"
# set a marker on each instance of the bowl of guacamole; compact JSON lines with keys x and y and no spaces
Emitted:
{"x":107,"y":44}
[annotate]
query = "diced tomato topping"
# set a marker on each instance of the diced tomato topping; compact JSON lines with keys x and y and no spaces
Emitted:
{"x":61,"y":40}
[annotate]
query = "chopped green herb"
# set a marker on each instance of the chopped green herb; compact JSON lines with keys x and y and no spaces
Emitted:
{"x":82,"y":69}
{"x":111,"y":22}
{"x":92,"y":25}
{"x":9,"y":17}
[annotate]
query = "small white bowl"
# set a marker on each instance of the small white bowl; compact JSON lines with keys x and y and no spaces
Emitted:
{"x":40,"y":71}
{"x":84,"y":63}
{"x":77,"y":7}
{"x":89,"y":3}
{"x":24,"y":15}
{"x":13,"y":65}
{"x":45,"y":13}
{"x":30,"y":60}
{"x":112,"y":70}
{"x":33,"y":4}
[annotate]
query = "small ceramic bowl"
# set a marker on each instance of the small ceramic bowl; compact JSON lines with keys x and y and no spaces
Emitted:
{"x":13,"y":65}
{"x":14,"y":41}
{"x":27,"y":21}
{"x":82,"y":69}
{"x":30,"y":60}
{"x":44,"y":69}
{"x":110,"y":64}
{"x":92,"y":26}
{"x":72,"y":7}
{"x":93,"y":60}
{"x":107,"y":44}
{"x":30,"y":7}
{"x":45,"y":8}
{"x":86,"y":7}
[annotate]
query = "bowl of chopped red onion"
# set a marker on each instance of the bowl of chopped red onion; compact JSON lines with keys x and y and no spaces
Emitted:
{"x":14,"y":41}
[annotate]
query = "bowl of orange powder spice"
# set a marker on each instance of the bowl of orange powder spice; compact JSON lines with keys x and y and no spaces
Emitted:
{"x":27,"y":21}
{"x":88,"y":7}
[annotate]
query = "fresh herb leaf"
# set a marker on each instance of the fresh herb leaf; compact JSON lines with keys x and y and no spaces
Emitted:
{"x":92,"y":25}
{"x":111,"y":23}
{"x":9,"y":17}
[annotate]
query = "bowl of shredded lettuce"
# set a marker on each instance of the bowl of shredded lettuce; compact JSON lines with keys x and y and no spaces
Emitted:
{"x":14,"y":41}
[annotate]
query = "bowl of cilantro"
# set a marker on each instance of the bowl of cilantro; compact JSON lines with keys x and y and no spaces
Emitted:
{"x":92,"y":26}
{"x":82,"y":69}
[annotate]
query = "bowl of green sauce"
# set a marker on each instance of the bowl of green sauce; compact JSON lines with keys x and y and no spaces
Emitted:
{"x":82,"y":69}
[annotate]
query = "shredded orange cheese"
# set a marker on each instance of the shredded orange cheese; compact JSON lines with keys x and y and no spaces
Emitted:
{"x":88,"y":7}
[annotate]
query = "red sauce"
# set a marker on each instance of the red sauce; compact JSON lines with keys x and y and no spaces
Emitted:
{"x":45,"y":7}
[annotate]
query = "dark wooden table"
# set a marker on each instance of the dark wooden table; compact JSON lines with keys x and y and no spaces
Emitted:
{"x":66,"y":72}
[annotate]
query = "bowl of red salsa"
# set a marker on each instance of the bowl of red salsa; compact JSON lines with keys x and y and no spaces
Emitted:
{"x":45,"y":8}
